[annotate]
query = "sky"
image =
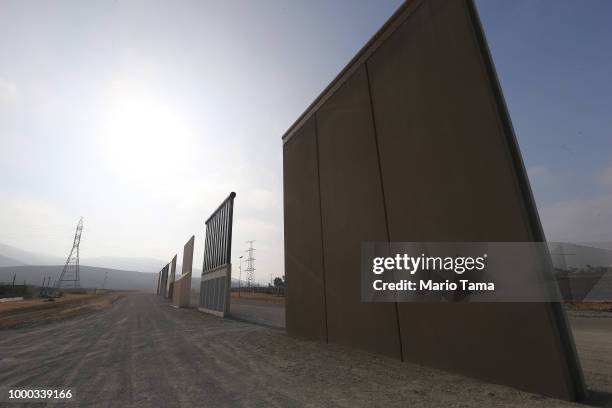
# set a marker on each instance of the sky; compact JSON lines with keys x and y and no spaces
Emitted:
{"x":142,"y":116}
{"x":554,"y":60}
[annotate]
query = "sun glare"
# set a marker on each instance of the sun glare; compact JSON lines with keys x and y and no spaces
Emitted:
{"x":145,"y":136}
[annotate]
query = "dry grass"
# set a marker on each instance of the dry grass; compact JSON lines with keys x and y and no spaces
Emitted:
{"x":39,"y":302}
{"x":34,"y":311}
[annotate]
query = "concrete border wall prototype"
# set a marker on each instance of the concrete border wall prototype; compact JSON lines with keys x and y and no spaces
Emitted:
{"x":182,"y":286}
{"x":172,"y":277}
{"x":217,"y":269}
{"x":163,"y":287}
{"x":215,"y":290}
{"x":412,"y":142}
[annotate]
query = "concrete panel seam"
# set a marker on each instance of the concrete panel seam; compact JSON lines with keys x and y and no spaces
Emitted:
{"x":316,"y":132}
{"x":382,"y":191}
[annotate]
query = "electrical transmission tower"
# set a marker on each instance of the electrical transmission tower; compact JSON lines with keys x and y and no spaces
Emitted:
{"x":250,"y":261}
{"x":105,"y":278}
{"x":70,"y":273}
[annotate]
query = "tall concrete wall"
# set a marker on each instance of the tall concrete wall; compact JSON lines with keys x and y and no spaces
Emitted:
{"x":188,"y":256}
{"x":182,"y":286}
{"x":172,"y":278}
{"x":412,"y":142}
{"x":163,"y":287}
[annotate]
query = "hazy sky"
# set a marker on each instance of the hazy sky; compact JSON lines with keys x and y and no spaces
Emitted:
{"x":143,"y":116}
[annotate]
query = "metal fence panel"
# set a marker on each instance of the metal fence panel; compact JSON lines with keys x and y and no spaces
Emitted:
{"x":216,"y":269}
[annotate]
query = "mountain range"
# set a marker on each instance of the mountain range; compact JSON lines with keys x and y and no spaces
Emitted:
{"x":11,"y":256}
{"x":90,"y":277}
{"x":121,"y":273}
{"x":567,"y":255}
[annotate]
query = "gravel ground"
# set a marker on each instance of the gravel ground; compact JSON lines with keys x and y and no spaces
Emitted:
{"x":593,"y":336}
{"x":266,"y":313}
{"x":140,"y":352}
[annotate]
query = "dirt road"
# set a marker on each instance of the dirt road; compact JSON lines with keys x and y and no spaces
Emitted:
{"x":266,"y":313}
{"x":142,"y":353}
{"x":593,"y":336}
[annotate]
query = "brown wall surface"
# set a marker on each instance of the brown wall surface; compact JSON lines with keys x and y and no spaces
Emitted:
{"x":352,"y":208}
{"x":188,"y":255}
{"x":412,"y":142}
{"x":182,"y":286}
{"x":182,"y":291}
{"x":305,"y":315}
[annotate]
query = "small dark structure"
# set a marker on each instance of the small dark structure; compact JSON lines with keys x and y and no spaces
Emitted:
{"x":163,"y":281}
{"x":172,"y":277}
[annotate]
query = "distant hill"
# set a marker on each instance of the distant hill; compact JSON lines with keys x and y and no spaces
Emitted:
{"x":21,"y":257}
{"x":128,"y":264}
{"x":570,"y":255}
{"x":11,"y":256}
{"x":123,"y":273}
{"x":6,"y":261}
{"x":91,"y":277}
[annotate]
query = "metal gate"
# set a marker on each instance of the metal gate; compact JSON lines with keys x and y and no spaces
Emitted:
{"x":217,"y":269}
